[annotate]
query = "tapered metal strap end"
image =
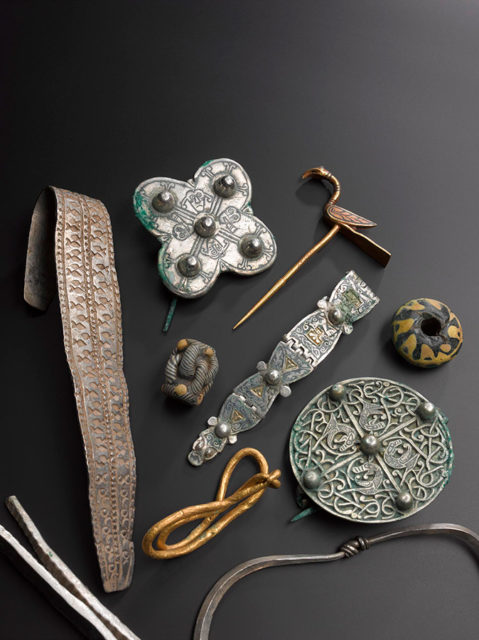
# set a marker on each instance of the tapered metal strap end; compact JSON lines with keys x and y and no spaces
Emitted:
{"x":371,"y":248}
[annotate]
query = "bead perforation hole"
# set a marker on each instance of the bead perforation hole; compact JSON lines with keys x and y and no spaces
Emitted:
{"x":431,"y":326}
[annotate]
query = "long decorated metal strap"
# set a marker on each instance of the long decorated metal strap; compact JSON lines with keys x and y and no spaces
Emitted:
{"x":72,"y":234}
{"x":298,"y":353}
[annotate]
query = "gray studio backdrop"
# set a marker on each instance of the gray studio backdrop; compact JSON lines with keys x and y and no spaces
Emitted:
{"x":100,"y":96}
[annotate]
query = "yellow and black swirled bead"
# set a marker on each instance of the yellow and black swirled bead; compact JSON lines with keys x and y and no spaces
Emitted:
{"x":426,"y":332}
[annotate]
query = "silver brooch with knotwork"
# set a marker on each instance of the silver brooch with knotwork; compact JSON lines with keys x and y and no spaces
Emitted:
{"x":190,"y":371}
{"x":370,"y":450}
{"x":296,"y":355}
{"x":205,"y":225}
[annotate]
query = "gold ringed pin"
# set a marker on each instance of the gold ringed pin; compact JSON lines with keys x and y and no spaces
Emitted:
{"x":341,"y":220}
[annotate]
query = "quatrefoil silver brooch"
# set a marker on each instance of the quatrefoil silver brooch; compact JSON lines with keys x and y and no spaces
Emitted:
{"x":206,"y":226}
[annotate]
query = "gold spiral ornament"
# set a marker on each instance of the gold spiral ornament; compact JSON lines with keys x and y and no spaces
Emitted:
{"x":155,"y":540}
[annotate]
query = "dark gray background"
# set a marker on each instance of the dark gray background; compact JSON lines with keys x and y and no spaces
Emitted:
{"x":98,"y":96}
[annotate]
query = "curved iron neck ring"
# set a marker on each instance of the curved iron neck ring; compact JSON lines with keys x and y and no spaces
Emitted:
{"x":347,"y":550}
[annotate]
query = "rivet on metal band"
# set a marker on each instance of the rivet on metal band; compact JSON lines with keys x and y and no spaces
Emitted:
{"x":295,"y":356}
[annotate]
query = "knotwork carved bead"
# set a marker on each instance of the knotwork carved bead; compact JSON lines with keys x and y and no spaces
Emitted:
{"x":190,"y":371}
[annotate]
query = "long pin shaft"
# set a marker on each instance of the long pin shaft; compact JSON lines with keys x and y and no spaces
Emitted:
{"x":289,"y":274}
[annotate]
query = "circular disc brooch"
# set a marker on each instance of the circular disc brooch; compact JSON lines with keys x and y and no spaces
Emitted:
{"x":371,"y":450}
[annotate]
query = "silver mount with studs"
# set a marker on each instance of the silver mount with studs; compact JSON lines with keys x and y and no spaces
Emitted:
{"x":370,"y":450}
{"x":296,"y":356}
{"x":205,"y":225}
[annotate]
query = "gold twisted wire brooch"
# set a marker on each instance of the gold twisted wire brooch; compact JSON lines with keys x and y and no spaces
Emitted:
{"x":154,"y":542}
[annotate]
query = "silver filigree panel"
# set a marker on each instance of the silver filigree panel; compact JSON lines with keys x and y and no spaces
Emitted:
{"x":314,"y":337}
{"x":353,"y":296}
{"x":293,"y":365}
{"x":317,"y":334}
{"x":371,"y":450}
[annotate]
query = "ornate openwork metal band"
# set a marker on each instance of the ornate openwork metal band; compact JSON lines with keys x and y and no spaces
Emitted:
{"x":371,"y":450}
{"x":296,"y":355}
{"x":73,"y":232}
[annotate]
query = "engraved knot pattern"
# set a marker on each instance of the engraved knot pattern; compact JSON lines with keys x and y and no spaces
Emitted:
{"x":315,"y":336}
{"x":414,"y":454}
{"x":176,"y":229}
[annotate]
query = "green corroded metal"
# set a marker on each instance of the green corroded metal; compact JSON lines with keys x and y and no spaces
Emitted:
{"x":171,"y":313}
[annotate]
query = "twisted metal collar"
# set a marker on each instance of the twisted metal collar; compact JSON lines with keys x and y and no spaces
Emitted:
{"x":347,"y":550}
{"x":94,"y":620}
